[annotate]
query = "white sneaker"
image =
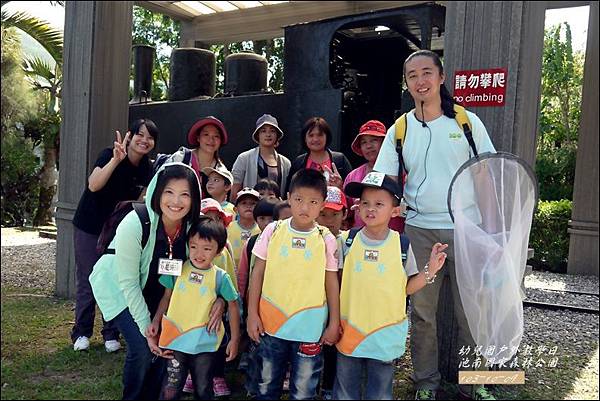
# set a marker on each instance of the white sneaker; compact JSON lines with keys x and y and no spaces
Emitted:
{"x":112,"y":345}
{"x":81,"y":344}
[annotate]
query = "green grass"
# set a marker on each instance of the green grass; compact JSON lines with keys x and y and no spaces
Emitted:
{"x":38,"y":361}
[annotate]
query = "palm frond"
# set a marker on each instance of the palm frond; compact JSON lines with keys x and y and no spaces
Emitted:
{"x":38,"y":67}
{"x":50,"y":38}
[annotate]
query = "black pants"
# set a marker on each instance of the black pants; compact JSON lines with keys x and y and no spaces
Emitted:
{"x":221,"y":354}
{"x":329,"y":367}
{"x":200,"y":367}
{"x":85,"y":304}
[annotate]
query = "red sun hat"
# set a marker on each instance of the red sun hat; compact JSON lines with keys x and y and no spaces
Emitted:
{"x":209,"y":204}
{"x":371,"y":127}
{"x":193,"y":133}
{"x":336,"y":199}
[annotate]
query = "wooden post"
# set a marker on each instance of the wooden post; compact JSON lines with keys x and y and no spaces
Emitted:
{"x":95,"y":96}
{"x":480,"y":35}
{"x":583,"y":227}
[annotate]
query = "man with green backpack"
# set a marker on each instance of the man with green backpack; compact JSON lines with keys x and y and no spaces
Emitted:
{"x":430,"y":143}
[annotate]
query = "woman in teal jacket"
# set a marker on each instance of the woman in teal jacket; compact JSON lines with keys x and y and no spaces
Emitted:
{"x":125,"y":284}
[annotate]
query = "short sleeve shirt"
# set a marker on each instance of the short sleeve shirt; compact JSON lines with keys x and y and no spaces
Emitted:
{"x":262,"y":244}
{"x":225,"y":290}
{"x":432,"y":155}
{"x":409,"y":268}
{"x":125,"y":183}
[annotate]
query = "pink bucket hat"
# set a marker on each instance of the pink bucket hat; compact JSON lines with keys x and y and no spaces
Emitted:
{"x":192,"y":136}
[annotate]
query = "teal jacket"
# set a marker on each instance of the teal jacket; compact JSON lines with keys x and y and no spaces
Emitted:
{"x":118,"y":280}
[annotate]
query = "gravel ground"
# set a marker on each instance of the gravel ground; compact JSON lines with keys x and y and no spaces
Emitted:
{"x":576,"y":337}
{"x":29,"y":262}
{"x":564,"y":298}
{"x":557,"y":281}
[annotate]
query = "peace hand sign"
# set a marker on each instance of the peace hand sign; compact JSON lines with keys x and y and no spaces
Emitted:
{"x":119,"y":150}
{"x":335,"y":179}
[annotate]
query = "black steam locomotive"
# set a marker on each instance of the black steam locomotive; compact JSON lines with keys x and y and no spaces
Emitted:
{"x":346,"y":69}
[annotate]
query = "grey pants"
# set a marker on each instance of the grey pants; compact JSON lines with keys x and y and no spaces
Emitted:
{"x":85,"y":304}
{"x":424,"y":303}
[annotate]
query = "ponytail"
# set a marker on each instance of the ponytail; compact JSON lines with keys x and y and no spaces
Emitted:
{"x":448,"y":102}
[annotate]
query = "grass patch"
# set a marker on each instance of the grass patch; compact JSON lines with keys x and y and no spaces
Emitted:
{"x":38,"y":361}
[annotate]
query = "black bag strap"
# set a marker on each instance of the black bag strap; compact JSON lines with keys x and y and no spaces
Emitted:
{"x":187,"y":156}
{"x":250,"y":246}
{"x":404,"y":242}
{"x":351,"y":234}
{"x":469,"y":136}
{"x":142,"y":212}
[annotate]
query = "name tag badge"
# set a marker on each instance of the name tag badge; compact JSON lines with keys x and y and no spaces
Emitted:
{"x":299,"y":243}
{"x":196,"y":278}
{"x":371,"y":255}
{"x":171,"y":267}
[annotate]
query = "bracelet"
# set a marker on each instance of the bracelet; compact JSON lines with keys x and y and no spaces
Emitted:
{"x":428,"y":279}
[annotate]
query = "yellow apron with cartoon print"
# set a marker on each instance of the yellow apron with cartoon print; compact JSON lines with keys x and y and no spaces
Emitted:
{"x":184,"y":324}
{"x":293,"y":302}
{"x":373,"y":301}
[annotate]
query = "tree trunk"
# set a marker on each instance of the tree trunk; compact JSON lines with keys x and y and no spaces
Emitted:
{"x":48,"y":184}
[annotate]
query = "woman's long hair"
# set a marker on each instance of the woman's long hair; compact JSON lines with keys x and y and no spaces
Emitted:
{"x":448,"y":101}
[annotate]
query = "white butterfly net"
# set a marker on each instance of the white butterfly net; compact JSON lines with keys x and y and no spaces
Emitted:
{"x":492,"y":201}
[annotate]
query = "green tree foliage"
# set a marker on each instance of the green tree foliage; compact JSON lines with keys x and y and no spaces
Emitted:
{"x":19,"y":165}
{"x":16,"y":97}
{"x":161,"y":32}
{"x":271,"y":49}
{"x":562,"y":78}
{"x":46,"y":80}
{"x":51,"y":39}
{"x":549,"y":236}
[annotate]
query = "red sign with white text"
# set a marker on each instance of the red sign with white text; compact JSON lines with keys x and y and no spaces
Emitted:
{"x":480,"y":87}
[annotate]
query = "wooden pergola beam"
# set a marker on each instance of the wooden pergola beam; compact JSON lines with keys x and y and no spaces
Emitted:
{"x":166,"y":8}
{"x":267,"y":22}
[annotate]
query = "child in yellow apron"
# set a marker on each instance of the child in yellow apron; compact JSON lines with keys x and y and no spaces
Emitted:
{"x":294,"y":293}
{"x":187,"y":301}
{"x":373,"y":293}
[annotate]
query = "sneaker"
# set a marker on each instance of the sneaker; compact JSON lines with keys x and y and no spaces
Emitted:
{"x":81,"y":344}
{"x":286,"y":382}
{"x":425,"y":395}
{"x":112,"y":345}
{"x":220,"y":387}
{"x":189,"y":385}
{"x":327,"y":394}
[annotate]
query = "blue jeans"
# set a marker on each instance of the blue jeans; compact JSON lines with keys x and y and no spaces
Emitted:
{"x":143,"y":372}
{"x":253,"y":369}
{"x":306,"y":364}
{"x":349,"y":379}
